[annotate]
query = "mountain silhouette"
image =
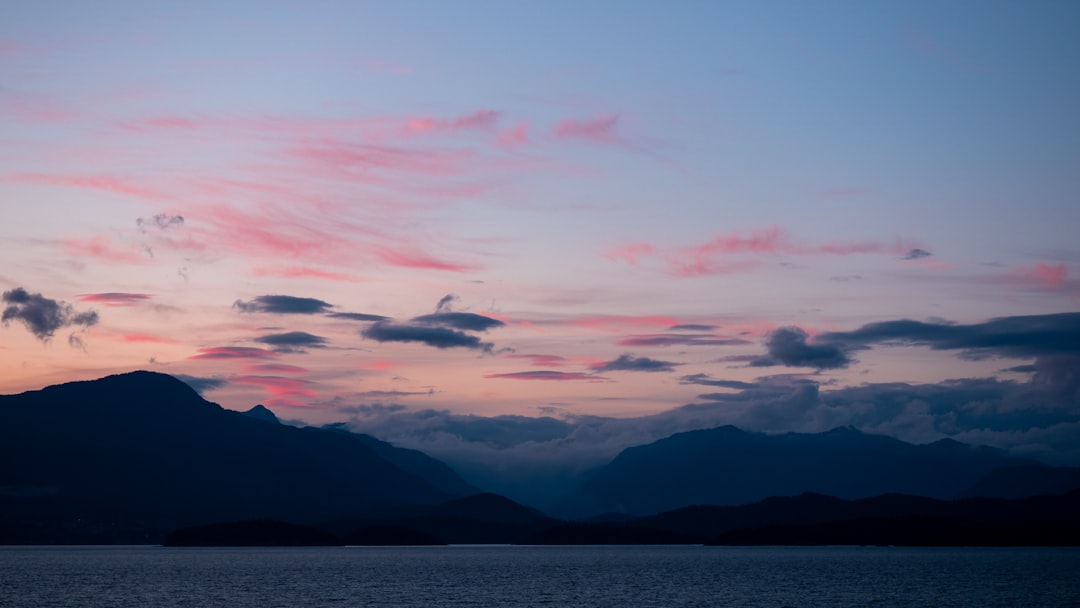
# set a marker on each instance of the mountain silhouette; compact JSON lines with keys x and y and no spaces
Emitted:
{"x":481,"y":518}
{"x":145,"y":450}
{"x":729,"y":466}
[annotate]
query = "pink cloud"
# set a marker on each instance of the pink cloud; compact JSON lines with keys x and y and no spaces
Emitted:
{"x":479,"y":120}
{"x":101,"y":248}
{"x":600,"y":129}
{"x":159,"y":123}
{"x":714,"y":256}
{"x":1043,"y":277}
{"x":135,"y":337}
{"x":515,"y":136}
{"x":630,"y":253}
{"x":381,"y":365}
{"x":146,"y":338}
{"x":115,"y":298}
{"x":548,"y":375}
{"x":420,"y":260}
{"x":276,"y":368}
{"x":35,"y":109}
{"x":541,"y":360}
{"x":367,"y":163}
{"x":283,"y":391}
{"x":300,"y":272}
{"x":105,"y":183}
{"x":233,"y":352}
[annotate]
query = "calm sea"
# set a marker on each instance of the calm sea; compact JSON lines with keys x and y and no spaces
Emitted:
{"x":538,"y":576}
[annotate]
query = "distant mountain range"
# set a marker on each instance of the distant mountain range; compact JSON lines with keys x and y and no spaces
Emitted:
{"x":128,"y":458}
{"x":729,"y":466}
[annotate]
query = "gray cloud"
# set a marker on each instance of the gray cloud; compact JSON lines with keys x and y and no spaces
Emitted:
{"x":692,"y":327}
{"x":356,"y":316}
{"x":459,"y":320}
{"x":160,"y":221}
{"x":292,"y":342}
{"x":283,"y":305}
{"x":1020,"y":336}
{"x":44,"y":316}
{"x":439,"y":337}
{"x":1036,"y":419}
{"x":680,"y":340}
{"x":789,"y":346}
{"x":201,"y":384}
{"x":916,"y":254}
{"x":445,"y":303}
{"x":705,"y":380}
{"x":627,"y":362}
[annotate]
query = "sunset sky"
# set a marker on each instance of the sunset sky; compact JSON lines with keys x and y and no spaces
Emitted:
{"x":782,"y":215}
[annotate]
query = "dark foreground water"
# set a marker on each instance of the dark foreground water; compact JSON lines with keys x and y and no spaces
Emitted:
{"x":538,"y":576}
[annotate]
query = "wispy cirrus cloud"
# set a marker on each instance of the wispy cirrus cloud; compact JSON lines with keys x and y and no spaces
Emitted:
{"x":680,"y":340}
{"x":115,"y":298}
{"x":479,"y":120}
{"x":1041,"y":277}
{"x":548,"y":375}
{"x":514,"y":136}
{"x":600,"y":129}
{"x":137,"y":337}
{"x":293,"y":392}
{"x":233,"y":352}
{"x":106,"y":183}
{"x":741,"y":251}
{"x":540,"y":360}
{"x":303,"y":272}
{"x":103,"y":249}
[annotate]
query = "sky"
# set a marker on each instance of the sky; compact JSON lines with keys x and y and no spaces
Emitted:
{"x":482,"y":225}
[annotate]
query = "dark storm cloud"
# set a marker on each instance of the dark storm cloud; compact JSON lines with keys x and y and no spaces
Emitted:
{"x":705,"y":380}
{"x":627,"y":362}
{"x":439,"y":337}
{"x":692,"y":327}
{"x":916,"y":254}
{"x":292,"y":342}
{"x":43,"y":316}
{"x":1021,"y":336}
{"x":356,"y":316}
{"x":789,"y":346}
{"x":283,"y":305}
{"x":201,"y":384}
{"x":459,"y":320}
{"x":161,"y":221}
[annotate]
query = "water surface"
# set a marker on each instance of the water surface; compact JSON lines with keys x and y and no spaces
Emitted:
{"x":402,"y":577}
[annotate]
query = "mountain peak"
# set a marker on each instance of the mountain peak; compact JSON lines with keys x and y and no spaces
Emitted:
{"x":261,"y":412}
